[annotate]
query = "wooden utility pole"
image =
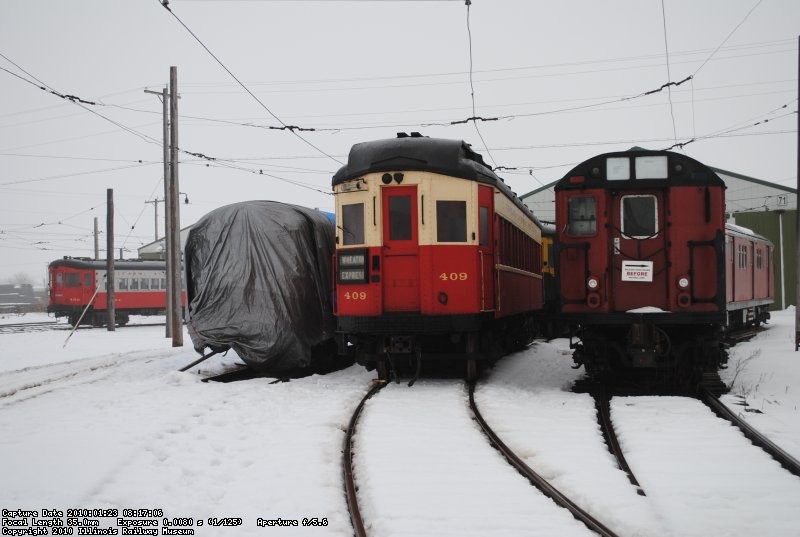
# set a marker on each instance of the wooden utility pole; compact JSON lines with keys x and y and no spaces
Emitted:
{"x":164,"y":94}
{"x":174,"y":271}
{"x":111,"y":321}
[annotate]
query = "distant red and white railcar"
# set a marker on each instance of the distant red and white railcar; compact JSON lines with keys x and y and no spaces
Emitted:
{"x":140,"y":289}
{"x":435,"y":256}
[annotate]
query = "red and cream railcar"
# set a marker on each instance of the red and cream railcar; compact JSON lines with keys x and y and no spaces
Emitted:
{"x":749,"y":276}
{"x":436,"y":257}
{"x":140,"y":289}
{"x":640,"y":241}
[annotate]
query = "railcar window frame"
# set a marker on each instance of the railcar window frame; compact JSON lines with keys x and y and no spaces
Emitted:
{"x":353,"y":230}
{"x":625,"y":216}
{"x":575,"y":226}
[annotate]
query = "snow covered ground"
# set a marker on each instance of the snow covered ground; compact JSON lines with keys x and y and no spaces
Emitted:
{"x":107,"y":422}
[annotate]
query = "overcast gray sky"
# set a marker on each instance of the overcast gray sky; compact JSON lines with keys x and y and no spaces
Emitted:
{"x":564,"y":80}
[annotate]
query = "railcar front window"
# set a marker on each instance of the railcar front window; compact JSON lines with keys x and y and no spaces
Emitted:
{"x":451,"y":221}
{"x":652,"y":167}
{"x":618,"y":168}
{"x":400,"y":218}
{"x":639,"y":217}
{"x":73,"y":279}
{"x":353,"y":224}
{"x":87,"y":280}
{"x":59,"y":279}
{"x":582,"y":218}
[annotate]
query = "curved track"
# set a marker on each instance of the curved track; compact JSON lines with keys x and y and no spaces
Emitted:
{"x":602,"y":402}
{"x":787,"y":461}
{"x":347,"y":464}
{"x":535,"y":479}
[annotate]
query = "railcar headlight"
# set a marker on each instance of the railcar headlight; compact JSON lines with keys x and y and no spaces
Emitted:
{"x":683,"y":282}
{"x":592,"y":283}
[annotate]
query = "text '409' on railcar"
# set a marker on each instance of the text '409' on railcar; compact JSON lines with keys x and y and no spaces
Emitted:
{"x":435,"y":256}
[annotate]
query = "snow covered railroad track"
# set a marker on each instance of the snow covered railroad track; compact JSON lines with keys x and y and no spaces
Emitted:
{"x":602,"y":403}
{"x":421,"y":466}
{"x":701,"y":474}
{"x":535,"y":479}
{"x":785,"y":459}
{"x":33,"y":381}
{"x":347,"y":465}
{"x":31,"y":327}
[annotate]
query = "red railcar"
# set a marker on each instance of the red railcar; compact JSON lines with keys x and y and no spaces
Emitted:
{"x":642,"y":266}
{"x":436,"y":257}
{"x":140,"y":289}
{"x":749,"y":276}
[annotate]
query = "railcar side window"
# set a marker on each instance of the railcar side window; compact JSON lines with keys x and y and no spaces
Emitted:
{"x":163,"y":283}
{"x":639,"y":216}
{"x":154,"y":283}
{"x":400,"y":218}
{"x":742,"y":256}
{"x":145,"y":284}
{"x":759,"y":259}
{"x":451,"y":221}
{"x":582,"y":218}
{"x":73,"y":279}
{"x":123,"y":284}
{"x":353,"y":223}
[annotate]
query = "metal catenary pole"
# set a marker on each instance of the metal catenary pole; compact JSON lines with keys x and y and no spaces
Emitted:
{"x":797,"y":232}
{"x":174,"y":208}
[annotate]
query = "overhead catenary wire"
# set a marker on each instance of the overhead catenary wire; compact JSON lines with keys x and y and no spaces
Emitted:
{"x":291,"y":128}
{"x":669,"y":75}
{"x":474,"y":117}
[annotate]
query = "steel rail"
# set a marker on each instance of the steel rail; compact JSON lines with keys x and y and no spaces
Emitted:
{"x":784,"y":459}
{"x":347,"y":465}
{"x":536,"y":480}
{"x":603,"y":404}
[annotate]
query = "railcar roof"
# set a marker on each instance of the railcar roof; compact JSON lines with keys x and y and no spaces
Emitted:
{"x":683,"y":171}
{"x":420,"y":153}
{"x":740,"y":231}
{"x":100,"y":264}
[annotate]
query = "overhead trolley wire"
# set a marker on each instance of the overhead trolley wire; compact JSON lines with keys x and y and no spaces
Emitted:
{"x":291,"y":128}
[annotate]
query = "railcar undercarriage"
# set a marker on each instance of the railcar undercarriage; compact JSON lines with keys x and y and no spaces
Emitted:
{"x":657,"y":356}
{"x":401,"y":355}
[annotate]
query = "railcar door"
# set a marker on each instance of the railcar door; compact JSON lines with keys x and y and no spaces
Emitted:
{"x":400,"y":249}
{"x":486,"y":245}
{"x":638,"y":243}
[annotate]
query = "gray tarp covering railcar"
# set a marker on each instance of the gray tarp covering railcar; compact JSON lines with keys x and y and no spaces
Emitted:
{"x":259,"y":282}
